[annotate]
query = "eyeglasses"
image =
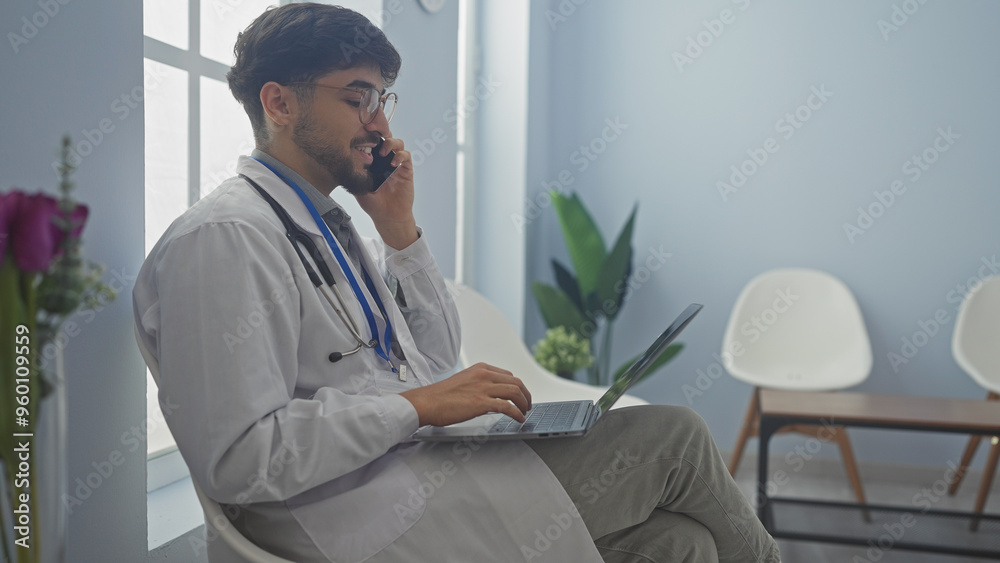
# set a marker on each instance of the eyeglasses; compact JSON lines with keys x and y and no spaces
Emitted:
{"x":370,"y":101}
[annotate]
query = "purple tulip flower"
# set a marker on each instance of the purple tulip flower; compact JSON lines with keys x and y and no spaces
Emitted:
{"x":27,"y":227}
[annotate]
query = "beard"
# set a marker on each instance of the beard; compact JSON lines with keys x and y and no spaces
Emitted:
{"x":339,"y":165}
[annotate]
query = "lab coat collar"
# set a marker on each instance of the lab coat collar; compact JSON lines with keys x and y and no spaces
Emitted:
{"x":280,"y":191}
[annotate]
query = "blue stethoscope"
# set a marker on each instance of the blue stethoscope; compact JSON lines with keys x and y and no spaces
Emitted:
{"x":298,"y":238}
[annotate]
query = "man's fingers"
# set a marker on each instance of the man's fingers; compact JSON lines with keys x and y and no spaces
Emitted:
{"x":400,"y":158}
{"x":508,"y":408}
{"x":391,"y":144}
{"x":513,"y":393}
{"x":490,"y":370}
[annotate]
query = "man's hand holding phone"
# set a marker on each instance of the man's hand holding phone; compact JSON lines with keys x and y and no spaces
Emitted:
{"x":390,"y":205}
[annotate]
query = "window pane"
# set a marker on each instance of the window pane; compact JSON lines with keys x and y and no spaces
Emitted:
{"x":166,"y":114}
{"x":225,"y":134}
{"x":222,"y":20}
{"x":167,"y":21}
{"x":158,"y":437}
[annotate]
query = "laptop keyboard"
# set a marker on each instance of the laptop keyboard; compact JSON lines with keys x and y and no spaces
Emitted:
{"x":547,"y":417}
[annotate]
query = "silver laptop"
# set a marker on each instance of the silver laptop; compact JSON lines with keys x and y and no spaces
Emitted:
{"x":563,"y":418}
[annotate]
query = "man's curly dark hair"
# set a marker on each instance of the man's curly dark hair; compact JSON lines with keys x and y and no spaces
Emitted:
{"x":300,"y":43}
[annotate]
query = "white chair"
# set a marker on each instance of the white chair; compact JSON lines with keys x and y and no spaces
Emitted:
{"x":487,"y":336}
{"x":976,"y":347}
{"x":233,"y":547}
{"x":797,"y":329}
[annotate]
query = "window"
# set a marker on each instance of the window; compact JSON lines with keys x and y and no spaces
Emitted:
{"x":465,"y":138}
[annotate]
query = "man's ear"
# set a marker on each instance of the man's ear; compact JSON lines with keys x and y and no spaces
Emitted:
{"x":280,"y":104}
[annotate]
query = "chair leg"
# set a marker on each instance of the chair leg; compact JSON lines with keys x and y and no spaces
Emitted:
{"x":987,"y":482}
{"x":750,"y":422}
{"x":970,"y":451}
{"x":852,"y":469}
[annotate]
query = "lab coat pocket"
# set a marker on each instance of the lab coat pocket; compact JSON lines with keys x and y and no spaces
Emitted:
{"x":356,"y":516}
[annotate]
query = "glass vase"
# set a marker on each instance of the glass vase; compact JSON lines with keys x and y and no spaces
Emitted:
{"x":50,"y":466}
{"x":48,"y":476}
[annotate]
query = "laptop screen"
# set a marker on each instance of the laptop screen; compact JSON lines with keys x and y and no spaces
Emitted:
{"x":635,"y":371}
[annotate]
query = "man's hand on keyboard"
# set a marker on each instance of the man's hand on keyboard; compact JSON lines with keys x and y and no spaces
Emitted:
{"x":474,"y":391}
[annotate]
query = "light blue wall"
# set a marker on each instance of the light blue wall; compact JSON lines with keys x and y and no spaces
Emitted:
{"x":687,"y":126}
{"x":502,"y":126}
{"x":65,"y":79}
{"x":428,"y":91}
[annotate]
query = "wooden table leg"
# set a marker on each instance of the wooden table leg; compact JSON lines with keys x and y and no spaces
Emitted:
{"x":986,"y":483}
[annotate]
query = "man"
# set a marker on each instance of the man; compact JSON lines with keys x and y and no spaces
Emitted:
{"x":293,"y":403}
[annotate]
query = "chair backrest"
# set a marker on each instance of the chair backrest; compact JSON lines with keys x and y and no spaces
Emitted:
{"x":797,"y":329}
{"x":976,"y":340}
{"x":487,"y":336}
{"x":234,"y":548}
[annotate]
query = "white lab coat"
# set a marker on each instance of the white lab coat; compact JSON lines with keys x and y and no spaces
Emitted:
{"x":265,"y":421}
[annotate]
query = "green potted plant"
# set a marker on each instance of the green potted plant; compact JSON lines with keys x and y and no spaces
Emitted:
{"x":587,"y":300}
{"x":563,"y":352}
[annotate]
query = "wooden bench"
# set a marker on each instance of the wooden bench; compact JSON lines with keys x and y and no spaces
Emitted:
{"x":917,"y":527}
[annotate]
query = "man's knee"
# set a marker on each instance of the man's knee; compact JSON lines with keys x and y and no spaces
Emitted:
{"x":664,"y":416}
{"x":664,"y":537}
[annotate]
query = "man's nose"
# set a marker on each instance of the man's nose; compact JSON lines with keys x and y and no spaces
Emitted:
{"x":380,"y":124}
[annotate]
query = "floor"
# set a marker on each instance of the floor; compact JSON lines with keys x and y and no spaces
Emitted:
{"x":885,"y":484}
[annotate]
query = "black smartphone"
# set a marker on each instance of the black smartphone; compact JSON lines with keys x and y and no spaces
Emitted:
{"x":381,"y":168}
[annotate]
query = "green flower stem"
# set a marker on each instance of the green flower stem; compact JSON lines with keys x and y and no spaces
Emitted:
{"x":13,"y":307}
{"x":18,"y":296}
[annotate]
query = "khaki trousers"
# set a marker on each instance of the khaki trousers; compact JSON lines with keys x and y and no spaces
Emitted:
{"x":651,"y":486}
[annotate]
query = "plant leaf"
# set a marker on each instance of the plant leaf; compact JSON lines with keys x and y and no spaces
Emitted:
{"x":659,"y":362}
{"x":583,"y":239}
{"x":567,"y":282}
{"x":557,"y":309}
{"x":616,"y":269}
